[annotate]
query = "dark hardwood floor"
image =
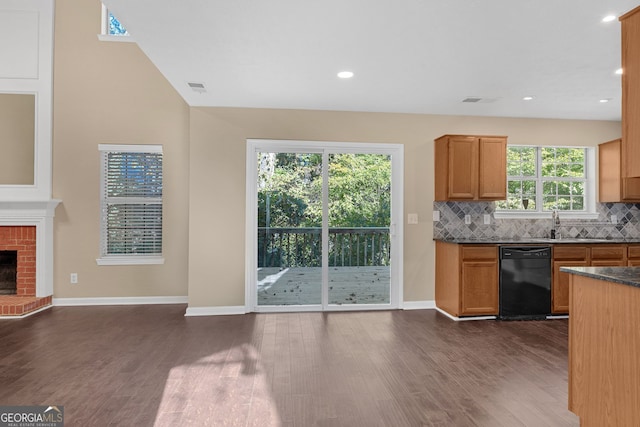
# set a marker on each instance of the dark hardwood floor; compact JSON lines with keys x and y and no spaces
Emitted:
{"x":151,"y":366}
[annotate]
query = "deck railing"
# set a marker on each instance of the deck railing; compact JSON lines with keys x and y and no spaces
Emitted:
{"x":302,"y":247}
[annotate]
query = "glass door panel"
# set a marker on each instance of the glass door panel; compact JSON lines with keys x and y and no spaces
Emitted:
{"x":359,"y":218}
{"x":289,"y":229}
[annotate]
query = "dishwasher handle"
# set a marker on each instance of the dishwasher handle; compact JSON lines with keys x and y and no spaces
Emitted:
{"x":533,"y":252}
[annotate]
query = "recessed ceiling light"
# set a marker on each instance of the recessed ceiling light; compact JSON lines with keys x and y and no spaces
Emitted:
{"x":605,"y":100}
{"x":609,"y":18}
{"x":345,"y":74}
{"x":527,"y":98}
{"x":619,"y":71}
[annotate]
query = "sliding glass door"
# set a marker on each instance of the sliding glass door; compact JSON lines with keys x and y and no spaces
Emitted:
{"x":359,"y":204}
{"x":289,"y":238}
{"x":322,"y":226}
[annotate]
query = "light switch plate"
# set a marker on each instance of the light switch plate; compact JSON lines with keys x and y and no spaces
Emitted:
{"x":487,"y":219}
{"x":412,"y":218}
{"x":614,"y":219}
{"x":467,"y":219}
{"x":436,"y":215}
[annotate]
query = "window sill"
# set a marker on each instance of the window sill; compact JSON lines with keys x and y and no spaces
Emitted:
{"x":130,"y":260}
{"x":544,"y":215}
{"x":110,"y":38}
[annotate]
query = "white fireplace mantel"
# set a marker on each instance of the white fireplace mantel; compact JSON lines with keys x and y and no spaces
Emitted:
{"x":38,"y":213}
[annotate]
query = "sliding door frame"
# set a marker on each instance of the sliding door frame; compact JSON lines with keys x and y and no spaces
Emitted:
{"x":396,"y":151}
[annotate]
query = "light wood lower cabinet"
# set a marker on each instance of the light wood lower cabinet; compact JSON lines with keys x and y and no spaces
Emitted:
{"x":633,"y":256}
{"x":608,"y":256}
{"x":600,"y":255}
{"x":467,"y":279}
{"x":565,"y":256}
{"x":560,"y":285}
{"x":467,"y":276}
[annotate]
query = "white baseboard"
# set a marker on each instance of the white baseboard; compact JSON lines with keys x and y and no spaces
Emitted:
{"x":215,"y":311}
{"x":68,"y":302}
{"x":419,"y":305}
{"x":464,"y":319}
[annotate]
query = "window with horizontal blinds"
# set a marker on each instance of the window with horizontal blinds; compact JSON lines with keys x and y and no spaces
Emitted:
{"x":131,"y":201}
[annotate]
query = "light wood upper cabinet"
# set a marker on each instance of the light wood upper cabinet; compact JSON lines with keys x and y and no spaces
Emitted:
{"x":612,"y":187}
{"x":470,"y":167}
{"x":631,"y":95}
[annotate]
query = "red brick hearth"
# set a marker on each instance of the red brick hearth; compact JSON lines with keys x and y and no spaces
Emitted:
{"x":23,"y":240}
{"x":14,"y":305}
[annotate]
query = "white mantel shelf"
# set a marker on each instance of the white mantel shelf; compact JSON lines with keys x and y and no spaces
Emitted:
{"x":28,"y":208}
{"x":38,"y":213}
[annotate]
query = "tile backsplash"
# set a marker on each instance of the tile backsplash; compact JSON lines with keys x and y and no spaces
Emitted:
{"x":452,"y":226}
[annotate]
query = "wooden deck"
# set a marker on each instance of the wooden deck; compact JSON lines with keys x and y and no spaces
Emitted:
{"x":302,"y":285}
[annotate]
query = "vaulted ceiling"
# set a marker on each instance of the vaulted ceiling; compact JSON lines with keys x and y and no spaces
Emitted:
{"x":409,"y":56}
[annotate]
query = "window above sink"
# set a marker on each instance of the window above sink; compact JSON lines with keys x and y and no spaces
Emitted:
{"x":543,"y":179}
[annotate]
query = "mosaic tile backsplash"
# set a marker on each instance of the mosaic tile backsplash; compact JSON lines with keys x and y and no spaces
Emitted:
{"x":452,"y":226}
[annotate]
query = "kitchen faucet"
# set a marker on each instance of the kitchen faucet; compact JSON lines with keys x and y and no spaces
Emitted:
{"x":555,"y":225}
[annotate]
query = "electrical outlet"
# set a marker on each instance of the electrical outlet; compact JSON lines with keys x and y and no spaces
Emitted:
{"x":412,"y":218}
{"x":436,"y":215}
{"x":614,"y":219}
{"x":467,"y":219}
{"x":73,"y":278}
{"x":487,"y":219}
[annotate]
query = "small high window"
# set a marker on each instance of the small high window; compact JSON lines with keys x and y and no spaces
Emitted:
{"x":112,"y":28}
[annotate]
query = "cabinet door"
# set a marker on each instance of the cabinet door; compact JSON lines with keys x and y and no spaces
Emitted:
{"x":479,"y":288}
{"x":560,"y":285}
{"x":609,"y":172}
{"x":631,"y":95}
{"x":608,"y":255}
{"x":463,"y":167}
{"x":492,"y":169}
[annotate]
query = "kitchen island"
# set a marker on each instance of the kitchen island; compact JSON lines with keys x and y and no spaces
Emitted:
{"x":604,"y":344}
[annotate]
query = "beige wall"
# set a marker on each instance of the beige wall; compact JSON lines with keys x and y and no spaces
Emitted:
{"x":107,"y":92}
{"x":17,"y":138}
{"x":111,"y":93}
{"x":217,"y":174}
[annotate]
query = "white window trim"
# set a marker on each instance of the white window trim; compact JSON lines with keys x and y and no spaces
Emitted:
{"x":132,"y":259}
{"x":104,"y":35}
{"x":590,"y":194}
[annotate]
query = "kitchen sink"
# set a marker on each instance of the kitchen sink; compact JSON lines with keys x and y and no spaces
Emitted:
{"x":569,"y":240}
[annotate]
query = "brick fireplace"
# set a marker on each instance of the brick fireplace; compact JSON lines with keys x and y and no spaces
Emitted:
{"x":26,"y":228}
{"x":22,"y":239}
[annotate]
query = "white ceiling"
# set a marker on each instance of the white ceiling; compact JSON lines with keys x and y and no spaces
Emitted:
{"x":409,"y":56}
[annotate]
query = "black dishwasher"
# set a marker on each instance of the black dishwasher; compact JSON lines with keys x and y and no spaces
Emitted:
{"x":525,"y":282}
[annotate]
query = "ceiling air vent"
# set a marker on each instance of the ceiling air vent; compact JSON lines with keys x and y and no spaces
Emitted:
{"x":197,"y":87}
{"x":480,"y":100}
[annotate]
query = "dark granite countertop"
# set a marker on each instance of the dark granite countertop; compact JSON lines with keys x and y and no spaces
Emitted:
{"x":629,"y":276}
{"x":536,"y":241}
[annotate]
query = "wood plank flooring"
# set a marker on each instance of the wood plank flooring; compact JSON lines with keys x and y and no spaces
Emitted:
{"x":151,"y":366}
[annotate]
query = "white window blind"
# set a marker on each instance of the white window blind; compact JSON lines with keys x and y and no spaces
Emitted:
{"x":131,"y":223}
